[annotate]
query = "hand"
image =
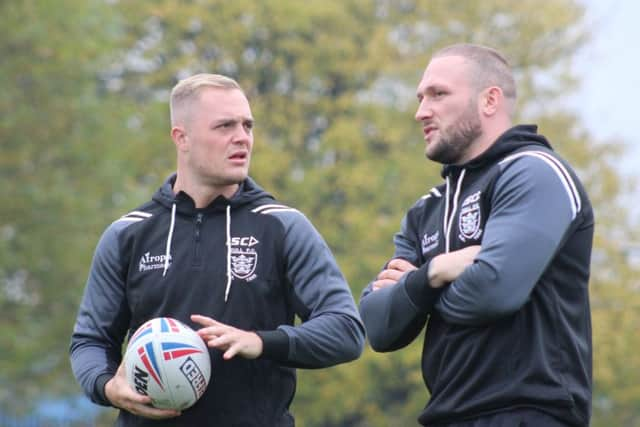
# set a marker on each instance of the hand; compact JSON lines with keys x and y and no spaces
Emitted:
{"x":233,"y":341}
{"x":122,"y":396}
{"x":445,"y":268}
{"x":396,"y":268}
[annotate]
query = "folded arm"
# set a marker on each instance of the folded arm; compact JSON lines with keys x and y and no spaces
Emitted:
{"x":532,"y":208}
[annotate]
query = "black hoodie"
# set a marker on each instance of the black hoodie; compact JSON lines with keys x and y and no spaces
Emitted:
{"x":249,"y":262}
{"x":514,"y":329}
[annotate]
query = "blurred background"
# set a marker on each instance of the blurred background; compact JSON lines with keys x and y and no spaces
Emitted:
{"x":84,"y":138}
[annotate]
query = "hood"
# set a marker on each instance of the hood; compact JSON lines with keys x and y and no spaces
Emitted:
{"x":248,"y":192}
{"x":510,"y":141}
{"x":513,"y":139}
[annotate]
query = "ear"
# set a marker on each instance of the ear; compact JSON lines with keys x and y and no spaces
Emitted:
{"x":179,"y":137}
{"x":491,"y":100}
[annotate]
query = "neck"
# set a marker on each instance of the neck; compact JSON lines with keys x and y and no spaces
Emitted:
{"x":201,"y":193}
{"x":485,"y":141}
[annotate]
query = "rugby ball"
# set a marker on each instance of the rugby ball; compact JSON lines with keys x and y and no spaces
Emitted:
{"x":169,"y":362}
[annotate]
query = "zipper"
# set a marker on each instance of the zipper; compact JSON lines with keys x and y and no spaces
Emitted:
{"x":197,"y":233}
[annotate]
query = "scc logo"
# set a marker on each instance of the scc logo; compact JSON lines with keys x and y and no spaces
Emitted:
{"x":244,"y":241}
{"x":244,"y":257}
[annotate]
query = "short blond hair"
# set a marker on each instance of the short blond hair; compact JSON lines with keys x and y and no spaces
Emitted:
{"x":187,"y":90}
{"x":491,"y":68}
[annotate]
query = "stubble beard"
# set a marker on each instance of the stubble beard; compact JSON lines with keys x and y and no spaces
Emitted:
{"x":455,"y":140}
{"x":230,"y":179}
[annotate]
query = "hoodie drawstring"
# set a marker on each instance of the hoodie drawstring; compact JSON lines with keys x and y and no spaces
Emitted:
{"x":448,"y":218}
{"x":167,"y":253}
{"x":229,"y":278}
{"x":446,"y":214}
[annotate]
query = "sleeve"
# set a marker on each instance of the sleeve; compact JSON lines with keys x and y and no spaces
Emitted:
{"x":395,"y":315}
{"x":533,"y":205}
{"x":102,"y":320}
{"x":331,"y":331}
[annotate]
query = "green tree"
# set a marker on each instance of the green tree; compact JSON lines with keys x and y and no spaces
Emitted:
{"x":332,"y":86}
{"x":56,"y":173}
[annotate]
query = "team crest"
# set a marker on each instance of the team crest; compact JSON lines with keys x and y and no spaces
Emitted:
{"x":470,"y":218}
{"x":244,"y":257}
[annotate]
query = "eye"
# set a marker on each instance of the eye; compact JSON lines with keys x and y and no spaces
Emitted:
{"x":223,"y":125}
{"x":248,"y":125}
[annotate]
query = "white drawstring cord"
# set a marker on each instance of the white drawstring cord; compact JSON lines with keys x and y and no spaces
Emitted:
{"x":446,"y":215}
{"x":226,"y":292}
{"x":167,"y":253}
{"x":456,"y":196}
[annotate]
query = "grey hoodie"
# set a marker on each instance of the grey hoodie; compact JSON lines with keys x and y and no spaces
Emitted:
{"x":249,"y":262}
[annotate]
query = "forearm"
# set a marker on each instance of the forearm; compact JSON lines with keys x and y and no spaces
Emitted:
{"x":332,"y":331}
{"x":327,"y":340}
{"x":395,"y":315}
{"x":93,"y":366}
{"x":531,"y":213}
{"x":101,"y":323}
{"x":490,"y":289}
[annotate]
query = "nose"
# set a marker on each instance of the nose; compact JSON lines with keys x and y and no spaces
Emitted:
{"x":242,"y":134}
{"x":424,"y":111}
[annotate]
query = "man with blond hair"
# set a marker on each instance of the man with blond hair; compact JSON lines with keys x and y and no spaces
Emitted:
{"x":495,"y":260}
{"x":235,"y":263}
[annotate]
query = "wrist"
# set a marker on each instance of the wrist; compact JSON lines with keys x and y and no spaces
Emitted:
{"x":419,"y":289}
{"x":101,"y":388}
{"x":275,"y":344}
{"x":433,"y":274}
{"x":259,"y":347}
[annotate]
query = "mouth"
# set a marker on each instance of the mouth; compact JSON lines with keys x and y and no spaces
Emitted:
{"x":239,"y":156}
{"x":428,"y":131}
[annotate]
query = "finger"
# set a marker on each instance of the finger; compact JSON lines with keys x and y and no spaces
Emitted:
{"x":204,"y":320}
{"x":137,"y":398}
{"x":400,"y":265}
{"x":121,"y":394}
{"x":232,"y":351}
{"x":390,"y":274}
{"x":379,"y":284}
{"x":224,"y":341}
{"x":154,"y":413}
{"x":248,"y":346}
{"x":213,"y":332}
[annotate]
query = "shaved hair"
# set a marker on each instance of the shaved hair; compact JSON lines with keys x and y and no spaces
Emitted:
{"x":189,"y":89}
{"x":489,"y":68}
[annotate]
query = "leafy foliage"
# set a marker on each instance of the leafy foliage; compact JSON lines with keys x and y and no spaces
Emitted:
{"x":84,"y":132}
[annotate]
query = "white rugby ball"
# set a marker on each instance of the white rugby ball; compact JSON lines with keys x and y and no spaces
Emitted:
{"x":169,"y":362}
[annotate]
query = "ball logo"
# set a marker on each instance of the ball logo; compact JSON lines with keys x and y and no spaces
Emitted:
{"x":141,"y":380}
{"x":194,"y":375}
{"x":169,"y":362}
